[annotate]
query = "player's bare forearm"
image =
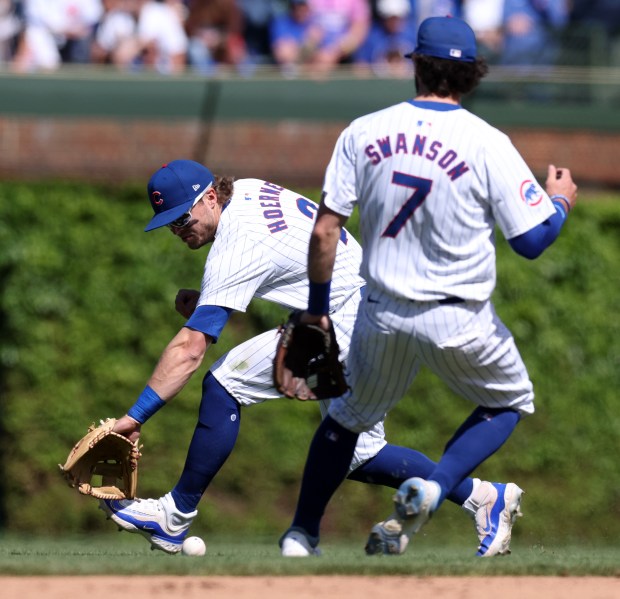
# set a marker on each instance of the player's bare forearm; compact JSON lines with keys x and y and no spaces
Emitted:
{"x":323,"y":244}
{"x":181,"y":358}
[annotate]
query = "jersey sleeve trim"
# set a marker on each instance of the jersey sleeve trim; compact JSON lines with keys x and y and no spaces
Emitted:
{"x":534,"y":242}
{"x":209,"y":320}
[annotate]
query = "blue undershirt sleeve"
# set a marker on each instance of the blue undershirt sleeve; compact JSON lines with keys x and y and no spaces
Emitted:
{"x":534,"y":242}
{"x":209,"y":320}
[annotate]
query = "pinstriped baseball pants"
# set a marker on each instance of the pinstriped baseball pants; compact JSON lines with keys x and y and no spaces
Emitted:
{"x":466,"y":344}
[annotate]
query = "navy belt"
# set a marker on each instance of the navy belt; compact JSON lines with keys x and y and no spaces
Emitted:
{"x":446,"y":301}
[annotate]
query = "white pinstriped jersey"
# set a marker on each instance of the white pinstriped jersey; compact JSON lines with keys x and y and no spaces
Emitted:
{"x":431,"y":181}
{"x":261,"y":250}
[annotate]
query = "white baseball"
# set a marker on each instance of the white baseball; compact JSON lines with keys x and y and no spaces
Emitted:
{"x":194,"y":546}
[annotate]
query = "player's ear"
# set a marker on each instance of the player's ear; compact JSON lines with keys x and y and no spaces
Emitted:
{"x":210,"y":197}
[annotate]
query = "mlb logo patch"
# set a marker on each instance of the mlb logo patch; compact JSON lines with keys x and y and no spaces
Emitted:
{"x":455,"y":53}
{"x":531,"y":193}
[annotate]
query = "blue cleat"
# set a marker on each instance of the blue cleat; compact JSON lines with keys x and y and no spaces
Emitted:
{"x":495,"y":508}
{"x":158,"y":520}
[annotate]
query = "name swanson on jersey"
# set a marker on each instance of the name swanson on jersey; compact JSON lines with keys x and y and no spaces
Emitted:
{"x":387,"y":147}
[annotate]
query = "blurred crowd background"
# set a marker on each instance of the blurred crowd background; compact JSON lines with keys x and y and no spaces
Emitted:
{"x":294,"y":36}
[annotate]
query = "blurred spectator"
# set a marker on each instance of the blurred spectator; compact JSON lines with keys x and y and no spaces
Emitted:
{"x":116,"y":39}
{"x":603,"y":13}
{"x":312,"y":35}
{"x":485,"y":17}
{"x":436,"y":8}
{"x":10,"y":26}
{"x":215,"y":30}
{"x":161,"y":35}
{"x":601,"y":20}
{"x":391,"y":36}
{"x":343,"y":26}
{"x":258,"y":16}
{"x":56,"y":31}
{"x":292,"y":37}
{"x":529,"y":31}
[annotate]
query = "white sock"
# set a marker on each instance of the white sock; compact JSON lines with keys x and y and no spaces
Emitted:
{"x":470,"y":505}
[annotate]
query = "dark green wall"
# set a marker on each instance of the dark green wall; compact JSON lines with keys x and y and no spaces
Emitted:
{"x":534,"y":99}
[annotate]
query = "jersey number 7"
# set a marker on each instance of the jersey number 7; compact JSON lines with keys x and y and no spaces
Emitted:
{"x":422,"y":189}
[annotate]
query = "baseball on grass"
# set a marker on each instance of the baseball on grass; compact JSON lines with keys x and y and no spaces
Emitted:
{"x":194,"y":546}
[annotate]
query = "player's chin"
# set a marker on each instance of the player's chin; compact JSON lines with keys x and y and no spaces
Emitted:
{"x":191,"y":241}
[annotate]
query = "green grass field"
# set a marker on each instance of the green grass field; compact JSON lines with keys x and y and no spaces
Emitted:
{"x":123,"y":554}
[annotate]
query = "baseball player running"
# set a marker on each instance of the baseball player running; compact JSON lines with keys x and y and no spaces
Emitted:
{"x":431,"y":181}
{"x":259,"y":233}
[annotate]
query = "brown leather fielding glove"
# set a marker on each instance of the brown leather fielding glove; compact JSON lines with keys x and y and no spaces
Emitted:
{"x":107,"y":454}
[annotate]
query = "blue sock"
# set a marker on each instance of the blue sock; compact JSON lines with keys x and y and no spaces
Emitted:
{"x":329,"y":458}
{"x":214,"y":438}
{"x":479,"y":437}
{"x":393,"y":465}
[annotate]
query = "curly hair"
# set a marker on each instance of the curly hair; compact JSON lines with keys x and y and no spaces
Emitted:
{"x":224,"y":187}
{"x":444,"y":78}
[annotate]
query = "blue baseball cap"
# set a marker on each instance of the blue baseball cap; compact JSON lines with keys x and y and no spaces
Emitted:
{"x":446,"y":37}
{"x":174,"y":188}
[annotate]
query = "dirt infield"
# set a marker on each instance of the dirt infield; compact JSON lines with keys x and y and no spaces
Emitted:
{"x":306,"y":587}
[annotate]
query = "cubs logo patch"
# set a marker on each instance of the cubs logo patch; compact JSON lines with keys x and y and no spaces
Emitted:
{"x":156,"y":198}
{"x":531,"y":193}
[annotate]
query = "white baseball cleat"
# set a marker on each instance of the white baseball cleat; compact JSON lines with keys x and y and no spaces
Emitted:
{"x":296,"y":543}
{"x":494,"y":508}
{"x":158,"y":520}
{"x":415,"y":502}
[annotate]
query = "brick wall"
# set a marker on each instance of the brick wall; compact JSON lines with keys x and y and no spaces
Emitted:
{"x":291,"y":152}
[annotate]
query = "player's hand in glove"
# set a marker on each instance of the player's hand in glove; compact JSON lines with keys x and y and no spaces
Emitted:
{"x":127,"y":427}
{"x":306,"y":364}
{"x":108,"y":454}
